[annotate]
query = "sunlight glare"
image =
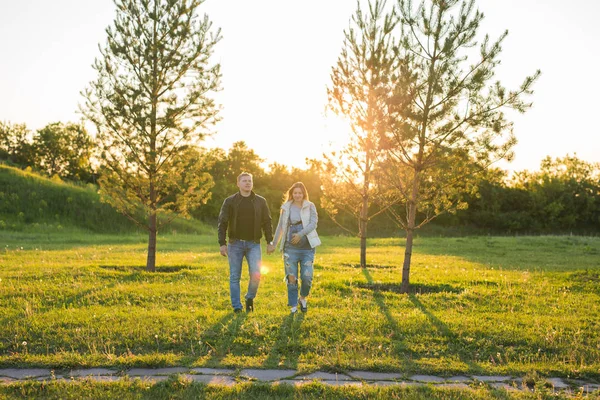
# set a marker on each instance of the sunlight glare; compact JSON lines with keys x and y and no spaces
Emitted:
{"x":337,"y":132}
{"x":264,"y":269}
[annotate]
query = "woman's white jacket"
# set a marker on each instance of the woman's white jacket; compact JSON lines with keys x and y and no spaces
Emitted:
{"x":309,"y":217}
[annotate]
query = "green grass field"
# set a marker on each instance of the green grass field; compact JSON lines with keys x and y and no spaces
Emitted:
{"x":480,"y":305}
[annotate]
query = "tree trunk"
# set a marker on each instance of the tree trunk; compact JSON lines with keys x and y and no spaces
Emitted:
{"x":364,"y":211}
{"x":410,"y":229}
{"x":363,"y":252}
{"x":151,"y":260}
{"x":363,"y":232}
{"x":406,"y":266}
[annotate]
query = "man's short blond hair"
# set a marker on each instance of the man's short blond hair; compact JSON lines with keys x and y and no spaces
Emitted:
{"x":244,"y":174}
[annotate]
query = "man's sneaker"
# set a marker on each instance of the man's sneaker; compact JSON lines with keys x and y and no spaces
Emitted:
{"x":237,"y":310}
{"x":249,"y":305}
{"x":303,"y":305}
{"x":294,"y":310}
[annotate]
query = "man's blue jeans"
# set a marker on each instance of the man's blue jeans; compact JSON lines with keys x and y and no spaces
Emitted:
{"x":298,"y":260}
{"x":237,"y":250}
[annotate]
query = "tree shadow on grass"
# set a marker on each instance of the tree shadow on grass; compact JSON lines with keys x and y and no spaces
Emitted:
{"x":399,"y":347}
{"x":287,"y":348}
{"x":456,"y":342}
{"x":371,"y":266}
{"x":585,"y":281}
{"x":142,"y":268}
{"x":418,"y":288}
{"x":137,"y":273}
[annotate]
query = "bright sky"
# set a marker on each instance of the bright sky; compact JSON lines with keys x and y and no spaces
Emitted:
{"x":276,"y":59}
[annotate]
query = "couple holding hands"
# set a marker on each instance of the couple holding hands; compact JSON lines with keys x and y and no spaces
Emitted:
{"x":243,"y":219}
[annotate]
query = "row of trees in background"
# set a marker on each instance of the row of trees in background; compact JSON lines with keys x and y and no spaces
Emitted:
{"x":62,"y":150}
{"x":562,"y":196}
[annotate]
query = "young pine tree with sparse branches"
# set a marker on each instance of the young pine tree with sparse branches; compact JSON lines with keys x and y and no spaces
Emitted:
{"x":362,"y":71}
{"x":447,"y":117}
{"x":150,"y":102}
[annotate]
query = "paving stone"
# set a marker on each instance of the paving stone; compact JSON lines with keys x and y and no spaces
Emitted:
{"x":492,"y":378}
{"x":379,"y":376}
{"x":56,"y":378}
{"x":558,"y":383}
{"x":18,"y":373}
{"x":92,"y":372}
{"x":395,"y":383}
{"x":53,"y":378}
{"x":426,"y":378}
{"x":268,"y":374}
{"x":341,"y":383}
{"x":156,"y":371}
{"x":589,"y":388}
{"x":458,"y":378}
{"x":325,"y":376}
{"x":222,"y":376}
{"x":456,"y":385}
{"x":291,"y":382}
{"x":221,"y":380}
{"x":517,"y":382}
{"x":213,"y":371}
{"x":154,"y":378}
{"x":105,"y":378}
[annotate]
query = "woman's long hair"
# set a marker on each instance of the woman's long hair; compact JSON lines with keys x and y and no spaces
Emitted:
{"x":288,"y":195}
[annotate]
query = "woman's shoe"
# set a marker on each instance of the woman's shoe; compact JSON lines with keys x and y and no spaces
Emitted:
{"x":303,"y":305}
{"x":294,"y":310}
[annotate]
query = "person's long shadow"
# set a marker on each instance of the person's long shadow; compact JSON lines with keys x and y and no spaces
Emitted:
{"x":287,"y":348}
{"x":398,"y":346}
{"x":217,"y":340}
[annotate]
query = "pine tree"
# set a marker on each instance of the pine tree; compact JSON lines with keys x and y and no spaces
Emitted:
{"x":447,"y":117}
{"x":363,"y":69}
{"x":150,"y":101}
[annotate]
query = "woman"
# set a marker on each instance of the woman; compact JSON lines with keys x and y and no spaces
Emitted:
{"x":297,"y":231}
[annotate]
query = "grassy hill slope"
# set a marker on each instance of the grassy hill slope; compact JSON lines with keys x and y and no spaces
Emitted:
{"x":29,"y":200}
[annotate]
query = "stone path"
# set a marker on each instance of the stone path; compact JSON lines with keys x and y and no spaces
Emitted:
{"x":229,"y":377}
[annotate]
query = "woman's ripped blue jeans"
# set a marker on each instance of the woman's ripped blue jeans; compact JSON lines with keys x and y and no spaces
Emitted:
{"x":298,"y":261}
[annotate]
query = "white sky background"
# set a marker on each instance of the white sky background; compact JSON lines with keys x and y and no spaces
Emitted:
{"x":276,"y":58}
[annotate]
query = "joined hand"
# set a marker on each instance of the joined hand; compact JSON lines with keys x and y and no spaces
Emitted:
{"x":296,"y":238}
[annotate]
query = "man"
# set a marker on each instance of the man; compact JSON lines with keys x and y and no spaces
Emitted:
{"x":245,"y":215}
